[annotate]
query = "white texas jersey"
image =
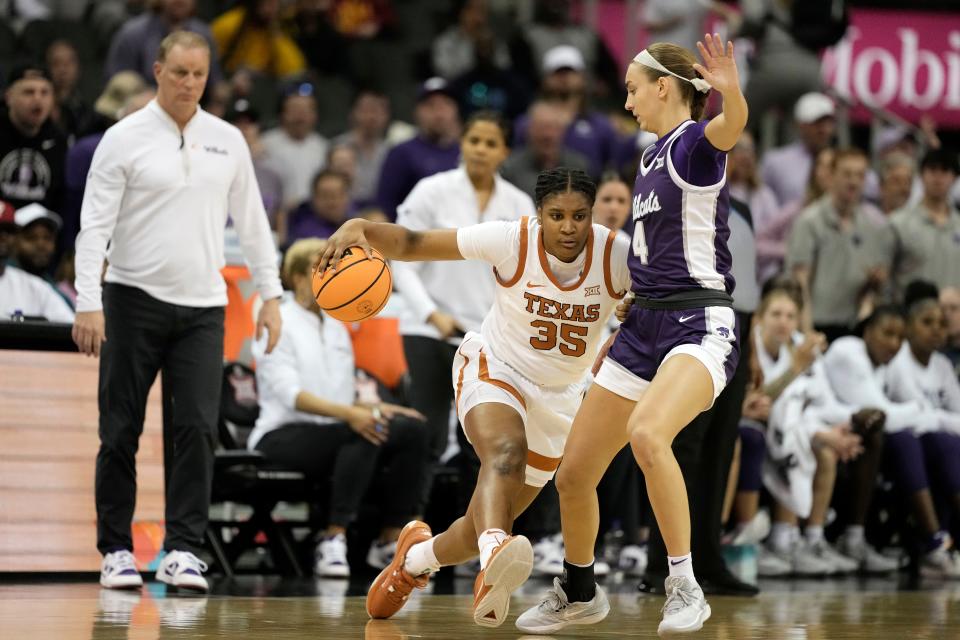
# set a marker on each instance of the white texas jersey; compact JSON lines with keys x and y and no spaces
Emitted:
{"x":548,"y":317}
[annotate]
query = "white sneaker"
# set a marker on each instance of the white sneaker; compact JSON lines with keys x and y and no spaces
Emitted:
{"x":686,"y":608}
{"x":752,"y":532}
{"x":183,"y":569}
{"x":941,"y":563}
{"x":330,"y":558}
{"x":381,"y":554}
{"x":838,"y":562}
{"x":119,"y":571}
{"x":771,"y":564}
{"x":633,"y":560}
{"x":806,"y":562}
{"x":548,"y":556}
{"x":868,"y":558}
{"x":556,"y":612}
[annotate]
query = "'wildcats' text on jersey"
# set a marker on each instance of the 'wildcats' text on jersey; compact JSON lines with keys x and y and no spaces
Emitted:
{"x":680,"y":207}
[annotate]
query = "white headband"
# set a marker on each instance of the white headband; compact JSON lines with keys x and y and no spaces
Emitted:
{"x":648,"y":60}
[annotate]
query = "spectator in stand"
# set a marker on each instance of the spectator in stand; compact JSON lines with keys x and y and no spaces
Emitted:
{"x":773,"y":234}
{"x":552,"y":27}
{"x":325,"y":211}
{"x":37,"y":241}
{"x":487,"y":86}
{"x":928,"y":234}
{"x":858,"y":373}
{"x":325,"y":50}
{"x":434,"y":149}
{"x":125,"y":94}
{"x":785,"y":169}
{"x":32,"y":148}
{"x":455,"y":51}
{"x":743,"y":180}
{"x":135,"y":44}
{"x":369,"y":118}
{"x":20,"y":291}
{"x":294,"y":147}
{"x":544,"y":148}
{"x":895,"y":174}
{"x":613,"y":203}
{"x":840,"y":254}
{"x":678,"y":21}
{"x":245,"y":118}
{"x":589,"y":132}
{"x":950,"y":301}
{"x":249,"y":37}
{"x":70,"y":111}
{"x":312,"y":419}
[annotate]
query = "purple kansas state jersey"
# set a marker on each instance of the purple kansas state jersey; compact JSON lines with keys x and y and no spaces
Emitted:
{"x":680,"y":209}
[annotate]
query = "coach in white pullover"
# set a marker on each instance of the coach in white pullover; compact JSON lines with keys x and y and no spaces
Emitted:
{"x":159,"y":190}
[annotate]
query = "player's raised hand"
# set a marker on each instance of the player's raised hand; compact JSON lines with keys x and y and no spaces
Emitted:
{"x":351,"y":234}
{"x":719,"y":67}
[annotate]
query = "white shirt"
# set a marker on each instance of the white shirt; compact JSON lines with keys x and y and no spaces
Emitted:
{"x":934,"y":387}
{"x":786,"y":170}
{"x":32,"y":296}
{"x":857,"y":382}
{"x":311,"y":356}
{"x":463,"y":289}
{"x":298,"y":161}
{"x":548,"y":317}
{"x":161,"y":200}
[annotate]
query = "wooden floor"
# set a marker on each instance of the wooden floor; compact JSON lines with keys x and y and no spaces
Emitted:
{"x":322,"y":610}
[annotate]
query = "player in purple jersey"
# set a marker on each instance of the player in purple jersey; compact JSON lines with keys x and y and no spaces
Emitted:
{"x":677,"y":347}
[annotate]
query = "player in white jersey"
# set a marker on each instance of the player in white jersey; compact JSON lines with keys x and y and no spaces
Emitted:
{"x":518,"y":382}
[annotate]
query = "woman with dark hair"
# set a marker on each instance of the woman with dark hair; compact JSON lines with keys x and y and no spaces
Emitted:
{"x":518,"y":381}
{"x":859,"y":371}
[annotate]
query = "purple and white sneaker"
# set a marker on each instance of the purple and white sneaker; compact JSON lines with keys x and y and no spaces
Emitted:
{"x":183,"y":569}
{"x":119,"y":571}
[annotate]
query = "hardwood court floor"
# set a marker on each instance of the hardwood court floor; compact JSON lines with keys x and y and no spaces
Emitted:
{"x":321,"y":610}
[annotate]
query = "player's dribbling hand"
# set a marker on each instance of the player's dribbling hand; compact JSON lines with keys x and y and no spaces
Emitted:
{"x":349,"y":235}
{"x":89,"y":332}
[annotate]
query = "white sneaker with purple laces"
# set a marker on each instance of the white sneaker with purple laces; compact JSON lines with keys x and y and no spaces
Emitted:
{"x":119,"y":571}
{"x":183,"y":569}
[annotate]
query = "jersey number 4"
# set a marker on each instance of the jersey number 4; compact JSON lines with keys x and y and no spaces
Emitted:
{"x":640,"y":242}
{"x":571,"y":337}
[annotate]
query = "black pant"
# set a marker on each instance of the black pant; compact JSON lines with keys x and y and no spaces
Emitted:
{"x":144,"y":336}
{"x":431,"y":393}
{"x":704,"y":451}
{"x":338,"y":453}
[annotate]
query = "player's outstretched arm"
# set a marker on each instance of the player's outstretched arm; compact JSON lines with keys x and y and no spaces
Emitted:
{"x":720,"y":69}
{"x":393,"y":241}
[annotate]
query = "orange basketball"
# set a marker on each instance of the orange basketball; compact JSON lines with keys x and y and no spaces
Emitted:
{"x":358,"y":289}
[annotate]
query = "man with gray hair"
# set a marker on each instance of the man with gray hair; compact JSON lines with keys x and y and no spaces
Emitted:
{"x":161,"y":185}
{"x":895,"y":172}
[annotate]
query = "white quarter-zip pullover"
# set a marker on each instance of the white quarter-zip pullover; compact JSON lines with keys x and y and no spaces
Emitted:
{"x":161,"y":199}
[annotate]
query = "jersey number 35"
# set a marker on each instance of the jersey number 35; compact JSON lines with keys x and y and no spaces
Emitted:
{"x":570,"y":337}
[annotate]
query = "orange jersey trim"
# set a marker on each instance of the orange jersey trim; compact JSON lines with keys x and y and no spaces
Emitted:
{"x":542,"y":462}
{"x":485,"y":377}
{"x":607,"y":276}
{"x":522,"y":260}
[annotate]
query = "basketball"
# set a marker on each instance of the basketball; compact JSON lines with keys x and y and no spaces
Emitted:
{"x":358,"y":289}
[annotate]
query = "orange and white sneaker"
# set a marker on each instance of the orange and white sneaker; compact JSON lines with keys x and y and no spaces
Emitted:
{"x":508,"y":568}
{"x":389,"y":592}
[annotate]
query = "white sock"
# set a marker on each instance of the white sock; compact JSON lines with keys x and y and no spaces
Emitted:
{"x":854,"y":535}
{"x":487,"y":542}
{"x":782,"y":536}
{"x":421,"y":559}
{"x":681,"y":566}
{"x":814,"y":533}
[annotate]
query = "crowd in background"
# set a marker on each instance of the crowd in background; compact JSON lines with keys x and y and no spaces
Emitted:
{"x":853,"y":254}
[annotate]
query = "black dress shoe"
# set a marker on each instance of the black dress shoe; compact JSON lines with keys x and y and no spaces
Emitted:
{"x":726,"y":584}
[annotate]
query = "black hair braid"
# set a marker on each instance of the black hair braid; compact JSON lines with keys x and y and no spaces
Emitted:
{"x":562,"y":180}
